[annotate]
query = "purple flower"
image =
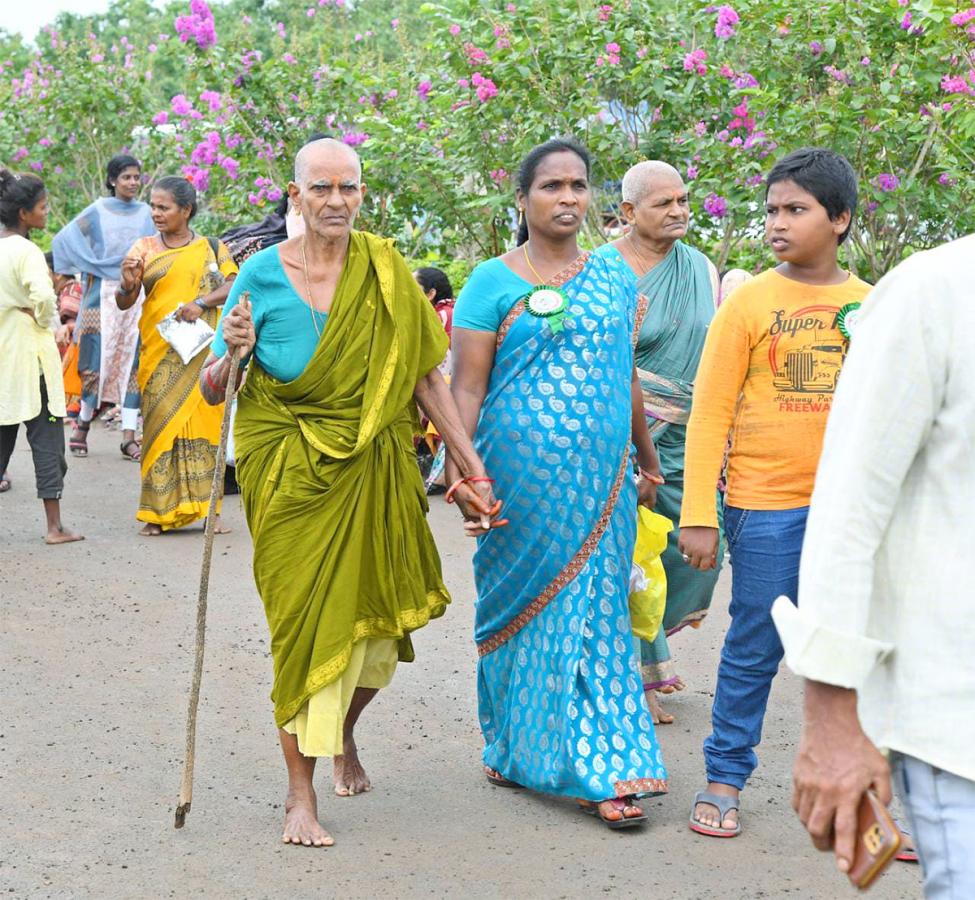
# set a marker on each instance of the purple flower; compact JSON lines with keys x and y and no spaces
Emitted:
{"x":45,"y":142}
{"x":745,"y":80}
{"x":160,"y":118}
{"x":715,"y":206}
{"x":212,"y":99}
{"x":423,"y":90}
{"x":97,"y":57}
{"x":355,"y":138}
{"x":701,"y":129}
{"x":727,"y":20}
{"x":691,"y":173}
{"x":198,"y":25}
{"x":887,"y":182}
{"x":181,"y":106}
{"x":815,"y":48}
{"x":945,"y":179}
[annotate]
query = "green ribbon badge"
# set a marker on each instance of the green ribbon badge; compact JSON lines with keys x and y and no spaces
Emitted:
{"x":846,"y":319}
{"x":547,"y":302}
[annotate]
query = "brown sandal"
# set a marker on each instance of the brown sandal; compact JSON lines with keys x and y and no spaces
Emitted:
{"x":130,"y":454}
{"x":78,"y":442}
{"x":621,"y":804}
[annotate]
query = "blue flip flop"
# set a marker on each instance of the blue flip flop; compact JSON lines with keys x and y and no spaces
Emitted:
{"x":724,"y":805}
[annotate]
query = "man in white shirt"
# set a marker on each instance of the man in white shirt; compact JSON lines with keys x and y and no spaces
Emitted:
{"x":885,"y":629}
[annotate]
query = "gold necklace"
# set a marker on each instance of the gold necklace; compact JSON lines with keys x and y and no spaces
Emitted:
{"x":637,"y":254}
{"x":311,"y":298}
{"x":541,"y":280}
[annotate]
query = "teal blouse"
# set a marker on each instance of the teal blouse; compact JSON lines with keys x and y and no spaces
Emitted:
{"x":283,"y":321}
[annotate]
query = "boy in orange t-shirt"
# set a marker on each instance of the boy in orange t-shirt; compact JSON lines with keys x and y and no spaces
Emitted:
{"x":767,"y":374}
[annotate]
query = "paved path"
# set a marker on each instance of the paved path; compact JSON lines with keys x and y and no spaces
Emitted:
{"x":95,"y":655}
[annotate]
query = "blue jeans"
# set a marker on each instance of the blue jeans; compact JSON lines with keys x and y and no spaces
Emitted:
{"x":764,"y":546}
{"x":941,"y":807}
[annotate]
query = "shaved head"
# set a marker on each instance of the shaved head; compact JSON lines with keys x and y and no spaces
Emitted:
{"x":324,"y":152}
{"x":645,"y":177}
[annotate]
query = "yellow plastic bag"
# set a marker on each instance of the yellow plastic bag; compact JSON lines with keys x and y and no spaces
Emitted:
{"x":648,"y":581}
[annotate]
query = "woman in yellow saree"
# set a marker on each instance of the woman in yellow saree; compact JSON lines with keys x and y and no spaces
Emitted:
{"x":190,"y":275}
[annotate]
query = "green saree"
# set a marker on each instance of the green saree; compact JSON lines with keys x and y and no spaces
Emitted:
{"x":329,"y":482}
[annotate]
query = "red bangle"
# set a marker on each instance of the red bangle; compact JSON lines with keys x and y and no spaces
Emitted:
{"x":449,"y":497}
{"x":209,"y":380}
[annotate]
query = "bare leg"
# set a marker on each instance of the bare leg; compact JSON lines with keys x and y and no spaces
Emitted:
{"x":301,"y":825}
{"x":347,"y":772}
{"x":56,"y":532}
{"x":657,"y":712}
{"x":150,"y":529}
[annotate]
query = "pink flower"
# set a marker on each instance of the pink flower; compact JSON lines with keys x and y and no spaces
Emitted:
{"x":958,"y":84}
{"x":701,"y":129}
{"x":181,"y":106}
{"x":355,"y":138}
{"x":511,"y":8}
{"x":45,"y":142}
{"x":498,"y":175}
{"x":485,"y":88}
{"x":289,"y":59}
{"x":212,"y":99}
{"x":97,"y":57}
{"x":423,"y":90}
{"x":887,"y":182}
{"x":198,"y":25}
{"x":694,"y":62}
{"x":715,"y":206}
{"x":394,"y":24}
{"x":691,"y":173}
{"x":604,"y":12}
{"x":160,"y":118}
{"x":310,"y":12}
{"x":642,"y":52}
{"x":454,"y":30}
{"x":838,"y":74}
{"x":865,"y":61}
{"x":475,"y":54}
{"x":727,"y":20}
{"x":945,"y":179}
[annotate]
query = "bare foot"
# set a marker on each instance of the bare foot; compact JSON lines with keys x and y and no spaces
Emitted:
{"x":659,"y":715}
{"x":678,"y":685}
{"x":301,"y":825}
{"x":707,"y":814}
{"x":347,"y":772}
{"x":150,"y":530}
{"x":61,"y":535}
{"x":219,"y":527}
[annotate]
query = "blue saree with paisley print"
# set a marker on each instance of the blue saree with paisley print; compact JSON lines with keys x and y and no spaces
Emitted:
{"x":560,"y":697}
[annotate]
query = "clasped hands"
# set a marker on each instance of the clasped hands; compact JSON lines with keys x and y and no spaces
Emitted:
{"x":475,"y":498}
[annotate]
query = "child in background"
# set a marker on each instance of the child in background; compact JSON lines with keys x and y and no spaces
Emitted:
{"x":69,"y":295}
{"x":768,"y":371}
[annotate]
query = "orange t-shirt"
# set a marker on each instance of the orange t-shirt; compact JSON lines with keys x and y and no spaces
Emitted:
{"x":767,"y":373}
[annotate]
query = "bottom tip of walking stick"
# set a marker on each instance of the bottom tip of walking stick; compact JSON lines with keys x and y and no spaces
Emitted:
{"x":181,"y":812}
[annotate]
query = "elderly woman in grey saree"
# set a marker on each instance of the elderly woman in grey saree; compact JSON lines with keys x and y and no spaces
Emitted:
{"x":681,"y":286}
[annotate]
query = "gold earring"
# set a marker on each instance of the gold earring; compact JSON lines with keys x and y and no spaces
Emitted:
{"x":521,"y":215}
{"x":296,"y":210}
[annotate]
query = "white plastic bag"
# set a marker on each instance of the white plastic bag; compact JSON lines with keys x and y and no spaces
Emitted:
{"x":186,"y":338}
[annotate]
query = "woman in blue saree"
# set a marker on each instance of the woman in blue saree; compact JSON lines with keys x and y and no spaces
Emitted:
{"x":543,"y":378}
{"x":94,"y":243}
{"x":680,"y":285}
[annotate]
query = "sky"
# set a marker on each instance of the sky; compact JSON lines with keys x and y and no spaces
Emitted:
{"x":29,"y":17}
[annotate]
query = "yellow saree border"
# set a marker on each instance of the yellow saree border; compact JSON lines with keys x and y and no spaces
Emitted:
{"x":363,"y":629}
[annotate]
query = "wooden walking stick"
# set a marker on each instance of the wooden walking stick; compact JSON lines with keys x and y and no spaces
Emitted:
{"x":216,"y":495}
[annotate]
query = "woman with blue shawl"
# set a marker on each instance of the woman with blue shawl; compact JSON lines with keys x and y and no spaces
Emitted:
{"x":681,"y":287}
{"x":543,"y":378}
{"x":94,"y":243}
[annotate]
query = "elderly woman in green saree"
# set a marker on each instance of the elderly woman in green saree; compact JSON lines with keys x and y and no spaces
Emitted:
{"x":681,"y":285}
{"x":340,"y":345}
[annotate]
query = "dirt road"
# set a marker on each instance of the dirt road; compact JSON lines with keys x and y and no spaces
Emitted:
{"x":94,"y":668}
